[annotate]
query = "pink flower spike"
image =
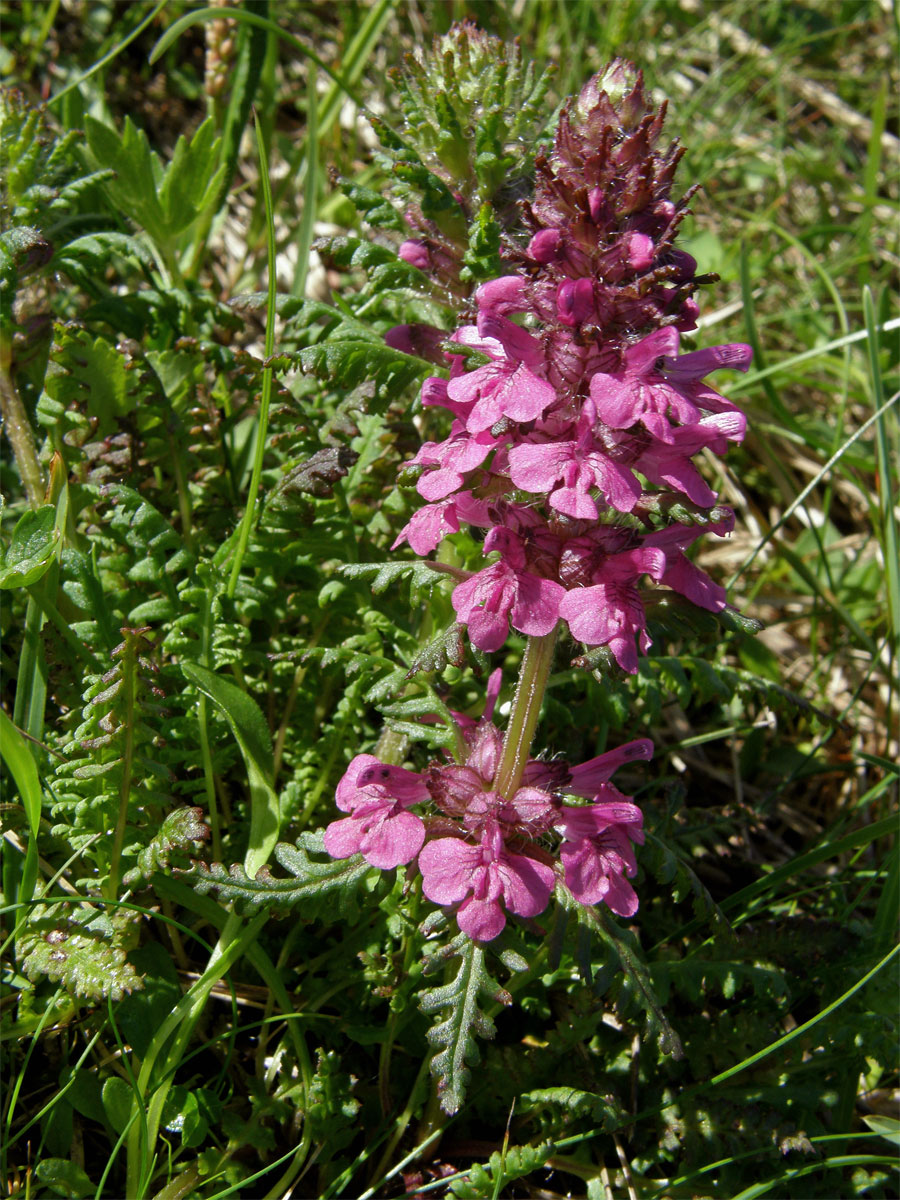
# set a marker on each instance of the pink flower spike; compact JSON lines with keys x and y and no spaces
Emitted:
{"x":588,"y":776}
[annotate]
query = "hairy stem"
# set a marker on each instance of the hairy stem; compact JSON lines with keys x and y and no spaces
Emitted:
{"x":18,"y":430}
{"x":526,"y":709}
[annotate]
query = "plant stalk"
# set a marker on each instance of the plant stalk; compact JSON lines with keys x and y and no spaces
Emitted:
{"x":526,"y":709}
{"x":18,"y":430}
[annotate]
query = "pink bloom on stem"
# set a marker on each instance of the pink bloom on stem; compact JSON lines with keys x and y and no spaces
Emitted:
{"x":667,"y":460}
{"x":611,"y":612}
{"x":486,"y":878}
{"x":430,"y":524}
{"x":507,"y":386}
{"x":416,"y":254}
{"x":587,"y":778}
{"x":506,"y":592}
{"x":597,"y":853}
{"x":656,"y":380}
{"x":681,"y":574}
{"x":453,"y":459}
{"x":578,"y":466}
{"x":380,"y":828}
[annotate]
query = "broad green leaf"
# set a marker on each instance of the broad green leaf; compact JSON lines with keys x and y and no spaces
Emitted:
{"x":252,"y":735}
{"x":65,"y":1178}
{"x":32,"y":548}
{"x":886,"y":1127}
{"x":117,"y":1097}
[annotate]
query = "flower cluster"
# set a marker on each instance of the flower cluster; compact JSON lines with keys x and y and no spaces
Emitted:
{"x":574,"y":428}
{"x":488,"y":853}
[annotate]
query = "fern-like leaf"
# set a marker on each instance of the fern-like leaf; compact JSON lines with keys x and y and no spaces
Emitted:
{"x":317,"y":888}
{"x":455,"y":1035}
{"x":80,"y":947}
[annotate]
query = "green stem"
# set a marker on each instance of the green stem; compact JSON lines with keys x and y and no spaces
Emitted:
{"x":18,"y":430}
{"x":263,"y":426}
{"x":526,"y":709}
{"x":129,"y":672}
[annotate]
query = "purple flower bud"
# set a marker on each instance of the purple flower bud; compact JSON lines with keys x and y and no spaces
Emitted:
{"x":416,"y":254}
{"x":545,"y":246}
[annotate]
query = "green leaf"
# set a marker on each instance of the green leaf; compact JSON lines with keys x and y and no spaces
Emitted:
{"x":180,"y":830}
{"x":32,"y":548}
{"x":886,"y":1127}
{"x":81,"y":947}
{"x":315,"y":888}
{"x":252,"y":735}
{"x":21,"y":765}
{"x":165,"y":201}
{"x":117,"y":1097}
{"x":92,"y":374}
{"x":65,"y":1178}
{"x":455,"y":1035}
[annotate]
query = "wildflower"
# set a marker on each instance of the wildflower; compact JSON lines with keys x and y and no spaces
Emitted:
{"x":485,"y":878}
{"x":380,"y":828}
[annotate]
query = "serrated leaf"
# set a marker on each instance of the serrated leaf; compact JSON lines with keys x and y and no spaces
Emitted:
{"x":164,"y":200}
{"x":456,"y":1033}
{"x":180,"y":830}
{"x":80,"y":947}
{"x":327,"y":887}
{"x":383,"y":575}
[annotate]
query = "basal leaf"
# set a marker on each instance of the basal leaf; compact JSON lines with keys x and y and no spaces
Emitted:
{"x":32,"y":548}
{"x":80,"y":947}
{"x":455,"y":1035}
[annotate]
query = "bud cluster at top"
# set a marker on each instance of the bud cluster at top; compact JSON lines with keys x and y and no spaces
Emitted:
{"x":575,"y":418}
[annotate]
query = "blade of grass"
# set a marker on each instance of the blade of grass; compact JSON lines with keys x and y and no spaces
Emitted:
{"x":24,"y":772}
{"x":887,"y":484}
{"x":263,"y":421}
{"x":354,"y":60}
{"x":310,"y":186}
{"x":107,"y":58}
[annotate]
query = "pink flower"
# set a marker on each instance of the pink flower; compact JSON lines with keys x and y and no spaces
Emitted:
{"x":588,"y":777}
{"x":597,"y":854}
{"x":579,"y":466}
{"x":453,"y":459}
{"x":431,"y":523}
{"x":380,"y":828}
{"x":656,"y":380}
{"x":507,"y":386}
{"x":486,"y":878}
{"x":506,"y":592}
{"x":611,"y":612}
{"x":667,"y":460}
